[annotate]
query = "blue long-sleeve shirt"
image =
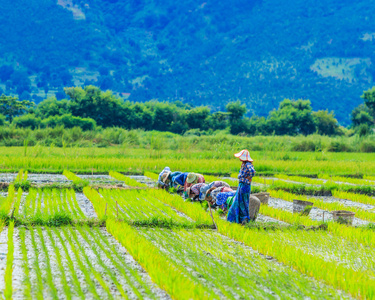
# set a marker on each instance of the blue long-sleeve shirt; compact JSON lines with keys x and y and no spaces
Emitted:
{"x":180,"y":179}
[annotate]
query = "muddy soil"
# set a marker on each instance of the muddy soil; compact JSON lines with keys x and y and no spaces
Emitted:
{"x":86,"y":205}
{"x":7,"y":177}
{"x":143,"y":179}
{"x":348,"y":203}
{"x":102,"y":179}
{"x":265,"y":219}
{"x":47,"y":178}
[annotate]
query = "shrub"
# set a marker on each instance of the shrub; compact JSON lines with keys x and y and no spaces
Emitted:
{"x":27,"y":121}
{"x":69,"y":121}
{"x":337,"y":146}
{"x":304,"y":146}
{"x":367,"y":146}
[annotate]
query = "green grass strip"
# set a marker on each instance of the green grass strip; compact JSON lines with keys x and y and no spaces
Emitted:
{"x":354,"y":197}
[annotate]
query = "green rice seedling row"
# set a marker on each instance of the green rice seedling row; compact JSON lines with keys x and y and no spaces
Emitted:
{"x":80,"y":262}
{"x":329,"y":272}
{"x":231,"y":269}
{"x":145,"y":243}
{"x":128,"y":181}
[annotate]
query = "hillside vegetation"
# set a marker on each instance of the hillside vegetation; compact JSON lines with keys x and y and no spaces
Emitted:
{"x":210,"y":53}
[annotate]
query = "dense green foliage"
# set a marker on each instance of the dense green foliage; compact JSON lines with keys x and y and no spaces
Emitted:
{"x":90,"y":106}
{"x":202,"y":53}
{"x":91,"y":109}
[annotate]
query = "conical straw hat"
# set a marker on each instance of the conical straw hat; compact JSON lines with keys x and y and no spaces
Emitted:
{"x":244,"y":155}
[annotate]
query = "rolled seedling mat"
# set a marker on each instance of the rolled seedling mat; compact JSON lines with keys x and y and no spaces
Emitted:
{"x":343,"y":216}
{"x":302,"y":207}
{"x":263,"y":197}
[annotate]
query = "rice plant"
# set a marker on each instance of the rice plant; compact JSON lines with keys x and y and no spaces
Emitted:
{"x":299,"y":179}
{"x":329,"y":272}
{"x":354,"y":197}
{"x":232,"y":269}
{"x":25,"y":265}
{"x":158,"y":265}
{"x":347,"y":179}
{"x":151,"y":175}
{"x":128,"y":181}
{"x":132,"y":205}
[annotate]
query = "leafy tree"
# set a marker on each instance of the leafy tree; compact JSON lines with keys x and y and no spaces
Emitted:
{"x":27,"y":121}
{"x":91,"y":102}
{"x":369,"y":97}
{"x":292,"y":117}
{"x":362,"y":115}
{"x":218,"y":120}
{"x":325,"y":122}
{"x":141,"y":116}
{"x":69,"y":121}
{"x":236,"y":111}
{"x":197,"y":117}
{"x":52,"y":107}
{"x":11,"y":107}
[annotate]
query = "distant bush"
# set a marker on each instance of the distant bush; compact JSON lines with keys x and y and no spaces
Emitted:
{"x":367,"y":146}
{"x":304,"y":146}
{"x":27,"y":121}
{"x":337,"y":146}
{"x":69,"y":121}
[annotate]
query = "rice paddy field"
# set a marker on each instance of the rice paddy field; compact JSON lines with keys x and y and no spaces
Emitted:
{"x":92,"y":224}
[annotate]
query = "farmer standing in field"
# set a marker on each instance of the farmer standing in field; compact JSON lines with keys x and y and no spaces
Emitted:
{"x":239,"y":210}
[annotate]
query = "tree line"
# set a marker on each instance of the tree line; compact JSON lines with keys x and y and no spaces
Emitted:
{"x":90,"y":107}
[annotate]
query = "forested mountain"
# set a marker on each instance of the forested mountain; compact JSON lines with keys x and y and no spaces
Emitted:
{"x":201,"y":52}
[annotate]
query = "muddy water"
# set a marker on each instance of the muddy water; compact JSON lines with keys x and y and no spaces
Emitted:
{"x":315,"y":213}
{"x":101,"y":179}
{"x":143,"y":179}
{"x":86,"y":205}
